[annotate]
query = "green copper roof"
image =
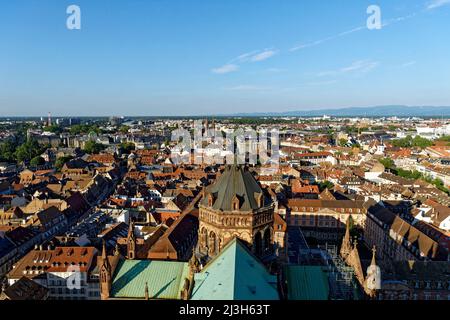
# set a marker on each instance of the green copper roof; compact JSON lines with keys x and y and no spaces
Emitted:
{"x":165,"y":279}
{"x":234,"y":181}
{"x":235,"y":274}
{"x":306,"y":283}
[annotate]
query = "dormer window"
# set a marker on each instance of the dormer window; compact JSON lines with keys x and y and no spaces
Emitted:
{"x":235,"y":203}
{"x":210,"y":200}
{"x":259,"y":199}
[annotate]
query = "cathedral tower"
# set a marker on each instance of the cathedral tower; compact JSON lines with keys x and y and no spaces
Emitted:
{"x":235,"y":206}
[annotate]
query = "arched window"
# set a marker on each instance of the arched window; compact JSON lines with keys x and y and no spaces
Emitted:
{"x":212,"y":243}
{"x":204,"y":238}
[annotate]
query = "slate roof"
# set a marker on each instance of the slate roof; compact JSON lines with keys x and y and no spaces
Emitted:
{"x":6,"y":246}
{"x":21,"y":235}
{"x":235,"y":180}
{"x":419,"y":270}
{"x":25,"y":289}
{"x":48,"y":215}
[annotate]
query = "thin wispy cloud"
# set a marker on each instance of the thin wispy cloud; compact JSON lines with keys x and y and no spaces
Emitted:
{"x":225,"y":69}
{"x":408,"y":64}
{"x":350,"y":31}
{"x":358,"y":67}
{"x":266,"y":54}
{"x":253,"y":56}
{"x":245,"y":56}
{"x":398,"y":19}
{"x":321,"y":41}
{"x":437,"y":4}
{"x":261,"y":55}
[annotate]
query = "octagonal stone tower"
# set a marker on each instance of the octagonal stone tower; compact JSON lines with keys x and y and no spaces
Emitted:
{"x":235,"y":206}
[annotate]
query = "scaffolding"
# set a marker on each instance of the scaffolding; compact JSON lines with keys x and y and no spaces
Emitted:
{"x":341,"y":277}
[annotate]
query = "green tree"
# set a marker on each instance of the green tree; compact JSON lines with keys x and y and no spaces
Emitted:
{"x":124,"y":129}
{"x":84,"y":129}
{"x":444,"y":138}
{"x":392,"y":128}
{"x":420,"y":142}
{"x":388,"y":163}
{"x":351,"y":129}
{"x":93,"y":147}
{"x":53,"y":128}
{"x":37,"y":161}
{"x":403,"y":143}
{"x":7,"y":150}
{"x":126,"y":147}
{"x":354,"y":232}
{"x":342,"y":142}
{"x":28,"y":150}
{"x":409,"y":142}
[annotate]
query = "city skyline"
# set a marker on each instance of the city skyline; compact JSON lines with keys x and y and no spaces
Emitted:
{"x":179,"y":59}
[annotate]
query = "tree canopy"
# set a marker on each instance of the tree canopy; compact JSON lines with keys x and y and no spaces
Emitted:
{"x":7,"y":150}
{"x":28,"y":150}
{"x":61,"y":161}
{"x":126,"y":147}
{"x":37,"y":161}
{"x":409,"y":142}
{"x":388,"y":163}
{"x":93,"y":147}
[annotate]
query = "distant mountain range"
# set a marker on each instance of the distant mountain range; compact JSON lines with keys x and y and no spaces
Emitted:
{"x":377,"y":111}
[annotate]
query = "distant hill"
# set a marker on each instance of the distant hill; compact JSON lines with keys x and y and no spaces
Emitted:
{"x":377,"y":111}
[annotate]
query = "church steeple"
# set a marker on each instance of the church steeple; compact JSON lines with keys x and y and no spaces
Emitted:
{"x":117,"y":250}
{"x":374,"y":251}
{"x":354,"y":260}
{"x":373,"y":279}
{"x":105,"y":274}
{"x":131,"y":242}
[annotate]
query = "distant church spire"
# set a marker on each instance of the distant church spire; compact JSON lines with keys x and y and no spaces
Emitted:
{"x":131,"y":242}
{"x":105,"y":274}
{"x":373,"y":280}
{"x":104,"y":254}
{"x":117,"y":250}
{"x":374,"y":252}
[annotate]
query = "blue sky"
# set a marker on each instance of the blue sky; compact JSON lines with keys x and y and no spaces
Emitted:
{"x":190,"y":57}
